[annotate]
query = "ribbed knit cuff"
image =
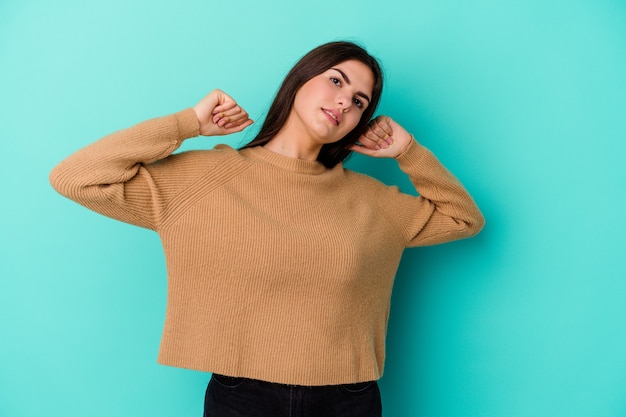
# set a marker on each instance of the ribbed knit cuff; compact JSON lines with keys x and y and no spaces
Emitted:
{"x":188,"y":124}
{"x":411,"y":155}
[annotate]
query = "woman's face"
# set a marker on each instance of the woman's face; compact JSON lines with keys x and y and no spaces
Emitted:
{"x":330,"y":105}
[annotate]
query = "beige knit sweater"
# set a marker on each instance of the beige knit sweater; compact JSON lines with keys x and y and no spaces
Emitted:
{"x":279,"y":269}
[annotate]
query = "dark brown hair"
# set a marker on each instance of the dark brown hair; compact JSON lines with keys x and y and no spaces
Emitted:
{"x":314,"y":63}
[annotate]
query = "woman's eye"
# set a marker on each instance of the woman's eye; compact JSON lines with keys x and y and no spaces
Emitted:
{"x":335,"y":81}
{"x":358,"y":103}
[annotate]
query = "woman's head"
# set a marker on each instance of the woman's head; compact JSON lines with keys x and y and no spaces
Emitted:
{"x":312,"y":64}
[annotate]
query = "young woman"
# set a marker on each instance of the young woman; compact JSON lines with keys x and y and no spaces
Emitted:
{"x":280,"y":261}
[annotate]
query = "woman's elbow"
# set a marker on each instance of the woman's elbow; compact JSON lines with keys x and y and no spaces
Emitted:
{"x":475,"y":224}
{"x":57,"y":181}
{"x":63,"y":182}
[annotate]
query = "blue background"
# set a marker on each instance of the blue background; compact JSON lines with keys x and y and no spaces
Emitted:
{"x":524,"y":101}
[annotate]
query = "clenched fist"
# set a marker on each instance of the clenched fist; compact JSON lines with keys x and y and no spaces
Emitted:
{"x":219,"y":114}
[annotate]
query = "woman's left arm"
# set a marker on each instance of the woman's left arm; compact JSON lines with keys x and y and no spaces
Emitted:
{"x":444,"y":210}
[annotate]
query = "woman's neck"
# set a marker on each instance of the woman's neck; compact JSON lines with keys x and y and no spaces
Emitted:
{"x":293,"y":141}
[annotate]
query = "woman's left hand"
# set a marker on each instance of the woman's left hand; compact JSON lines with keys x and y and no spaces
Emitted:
{"x":384,"y":138}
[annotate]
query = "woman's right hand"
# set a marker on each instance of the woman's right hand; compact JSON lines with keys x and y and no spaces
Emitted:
{"x":219,"y":114}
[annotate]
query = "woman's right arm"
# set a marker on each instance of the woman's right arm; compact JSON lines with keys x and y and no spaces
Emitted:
{"x":111,"y":176}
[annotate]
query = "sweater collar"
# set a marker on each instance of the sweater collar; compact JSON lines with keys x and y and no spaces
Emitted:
{"x":285,"y":162}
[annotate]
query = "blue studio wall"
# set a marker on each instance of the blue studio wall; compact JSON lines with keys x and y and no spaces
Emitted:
{"x":525,"y":101}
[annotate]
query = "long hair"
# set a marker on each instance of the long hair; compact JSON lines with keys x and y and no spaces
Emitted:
{"x":314,"y":63}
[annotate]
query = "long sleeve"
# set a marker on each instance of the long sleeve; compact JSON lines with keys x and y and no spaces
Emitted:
{"x":243,"y":233}
{"x":443,"y":211}
{"x":110,"y":176}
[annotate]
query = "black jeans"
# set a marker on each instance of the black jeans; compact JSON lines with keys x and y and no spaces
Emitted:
{"x":241,"y":397}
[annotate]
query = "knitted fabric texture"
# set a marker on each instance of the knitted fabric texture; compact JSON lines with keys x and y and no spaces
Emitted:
{"x":279,"y":269}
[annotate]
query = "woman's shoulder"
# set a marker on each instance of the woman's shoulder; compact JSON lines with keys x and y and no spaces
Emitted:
{"x":363,"y":179}
{"x":196,"y":162}
{"x":220,"y":152}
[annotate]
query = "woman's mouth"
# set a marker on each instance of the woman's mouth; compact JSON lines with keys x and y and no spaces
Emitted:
{"x":333,"y":116}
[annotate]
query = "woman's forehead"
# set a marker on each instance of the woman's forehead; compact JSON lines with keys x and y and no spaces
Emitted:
{"x":355,"y":73}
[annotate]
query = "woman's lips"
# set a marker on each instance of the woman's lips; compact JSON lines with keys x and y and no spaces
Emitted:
{"x":333,"y":115}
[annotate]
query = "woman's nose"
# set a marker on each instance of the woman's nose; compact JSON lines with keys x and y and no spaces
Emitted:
{"x":344,"y":102}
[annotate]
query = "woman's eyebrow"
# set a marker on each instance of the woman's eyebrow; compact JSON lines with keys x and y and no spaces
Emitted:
{"x":347,"y":80}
